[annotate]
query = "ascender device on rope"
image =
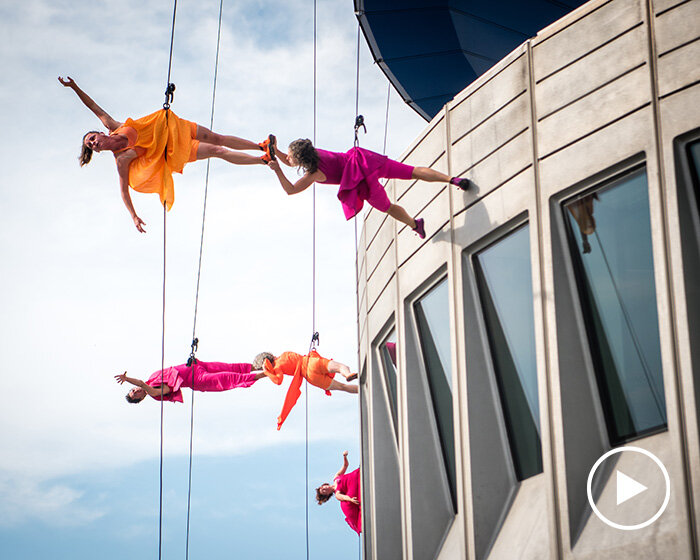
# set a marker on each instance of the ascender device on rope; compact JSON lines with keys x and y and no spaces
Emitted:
{"x":359,"y":123}
{"x":315,"y":340}
{"x":192,"y":360}
{"x":169,"y":95}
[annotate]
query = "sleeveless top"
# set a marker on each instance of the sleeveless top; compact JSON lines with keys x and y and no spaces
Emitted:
{"x":332,"y":165}
{"x":131,"y":136}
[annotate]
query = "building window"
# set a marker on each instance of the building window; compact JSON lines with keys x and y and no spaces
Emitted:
{"x":609,"y":236}
{"x":387,"y":352}
{"x":433,"y":318}
{"x":694,"y":156}
{"x":504,"y":278}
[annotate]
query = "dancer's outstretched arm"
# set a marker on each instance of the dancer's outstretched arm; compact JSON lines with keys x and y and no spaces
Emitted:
{"x":341,"y":472}
{"x":152,"y":391}
{"x":123,"y":162}
{"x":100,"y":113}
{"x":294,"y":188}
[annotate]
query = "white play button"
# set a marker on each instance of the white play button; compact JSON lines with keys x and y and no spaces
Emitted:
{"x":620,"y":488}
{"x":627,"y":487}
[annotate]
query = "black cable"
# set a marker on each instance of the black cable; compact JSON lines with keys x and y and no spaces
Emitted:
{"x":162,"y":383}
{"x":313,"y":304}
{"x":172,"y":40}
{"x":168,"y":95}
{"x":199,"y":274}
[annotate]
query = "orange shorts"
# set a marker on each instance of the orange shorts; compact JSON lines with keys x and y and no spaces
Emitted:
{"x":317,"y":372}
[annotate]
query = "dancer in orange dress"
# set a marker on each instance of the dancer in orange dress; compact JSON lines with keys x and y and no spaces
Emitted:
{"x":316,"y":369}
{"x":140,"y":145}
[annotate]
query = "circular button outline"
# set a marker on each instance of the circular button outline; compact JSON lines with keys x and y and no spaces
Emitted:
{"x":638,"y":525}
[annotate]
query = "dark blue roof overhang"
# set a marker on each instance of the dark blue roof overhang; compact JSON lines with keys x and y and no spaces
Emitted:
{"x":432,"y":49}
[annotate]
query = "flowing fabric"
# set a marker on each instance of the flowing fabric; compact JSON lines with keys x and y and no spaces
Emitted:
{"x":349,"y":484}
{"x":358,"y":172}
{"x":208,"y":376}
{"x":151,"y":172}
{"x":313,"y":368}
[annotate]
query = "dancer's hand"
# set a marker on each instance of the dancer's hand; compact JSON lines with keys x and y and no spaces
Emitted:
{"x":345,"y":453}
{"x":274,"y":165}
{"x":68,"y":82}
{"x":353,"y":501}
{"x":139,"y":223}
{"x":120,"y":378}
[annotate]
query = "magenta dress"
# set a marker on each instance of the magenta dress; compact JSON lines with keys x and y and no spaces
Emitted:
{"x":358,"y":172}
{"x":349,"y":484}
{"x":208,"y":376}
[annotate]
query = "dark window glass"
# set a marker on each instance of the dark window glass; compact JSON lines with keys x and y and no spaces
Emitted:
{"x":610,"y":243}
{"x":433,"y":316}
{"x":694,"y":152}
{"x":504,"y":278}
{"x":387,"y":351}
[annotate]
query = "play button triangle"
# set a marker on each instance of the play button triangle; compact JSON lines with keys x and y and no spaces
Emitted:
{"x":627,"y":487}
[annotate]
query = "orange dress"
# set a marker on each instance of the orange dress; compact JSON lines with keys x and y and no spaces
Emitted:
{"x":151,"y":171}
{"x":313,"y":368}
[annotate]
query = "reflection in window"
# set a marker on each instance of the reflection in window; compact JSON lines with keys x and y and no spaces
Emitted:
{"x":618,"y":298}
{"x":694,"y":152}
{"x":504,"y":278}
{"x":433,"y":316}
{"x":387,"y":351}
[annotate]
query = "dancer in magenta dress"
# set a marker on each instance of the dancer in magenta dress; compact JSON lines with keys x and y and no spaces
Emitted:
{"x":346,"y":488}
{"x":204,"y":376}
{"x":357,"y":172}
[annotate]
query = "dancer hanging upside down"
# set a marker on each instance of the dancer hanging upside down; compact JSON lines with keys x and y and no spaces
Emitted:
{"x":317,"y":370}
{"x":357,"y":172}
{"x":346,"y":488}
{"x":139,"y":148}
{"x":208,"y":376}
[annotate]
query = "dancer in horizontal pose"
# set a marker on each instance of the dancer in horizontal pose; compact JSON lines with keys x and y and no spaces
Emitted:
{"x":204,"y":376}
{"x":140,"y":145}
{"x":346,"y":489}
{"x":357,"y":172}
{"x":316,"y":369}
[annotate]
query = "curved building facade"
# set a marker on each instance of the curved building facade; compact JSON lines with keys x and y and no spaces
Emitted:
{"x":552,"y":312}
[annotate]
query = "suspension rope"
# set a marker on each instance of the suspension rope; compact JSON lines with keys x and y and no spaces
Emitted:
{"x":314,"y":336}
{"x":169,"y":91}
{"x":195,"y":341}
{"x":386,"y":116}
{"x":360,"y":122}
{"x":162,"y":383}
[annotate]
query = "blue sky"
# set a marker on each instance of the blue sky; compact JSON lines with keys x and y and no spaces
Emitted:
{"x":81,"y":289}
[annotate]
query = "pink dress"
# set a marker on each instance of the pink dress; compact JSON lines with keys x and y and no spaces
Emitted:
{"x":349,"y":484}
{"x":208,"y":376}
{"x":358,"y":172}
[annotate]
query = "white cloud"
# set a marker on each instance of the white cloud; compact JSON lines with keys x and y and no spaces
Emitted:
{"x":23,"y":499}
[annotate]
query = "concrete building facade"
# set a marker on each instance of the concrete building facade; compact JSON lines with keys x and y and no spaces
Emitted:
{"x":552,"y":312}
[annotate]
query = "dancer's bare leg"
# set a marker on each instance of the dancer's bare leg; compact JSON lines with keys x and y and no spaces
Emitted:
{"x":338,"y":386}
{"x":205,"y":151}
{"x":430,"y":175}
{"x":234,"y":142}
{"x":398,"y":213}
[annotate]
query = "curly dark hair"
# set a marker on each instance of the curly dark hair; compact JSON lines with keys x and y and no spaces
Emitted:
{"x":132,"y":400}
{"x":303,"y":151}
{"x":322,"y":498}
{"x":85,"y":152}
